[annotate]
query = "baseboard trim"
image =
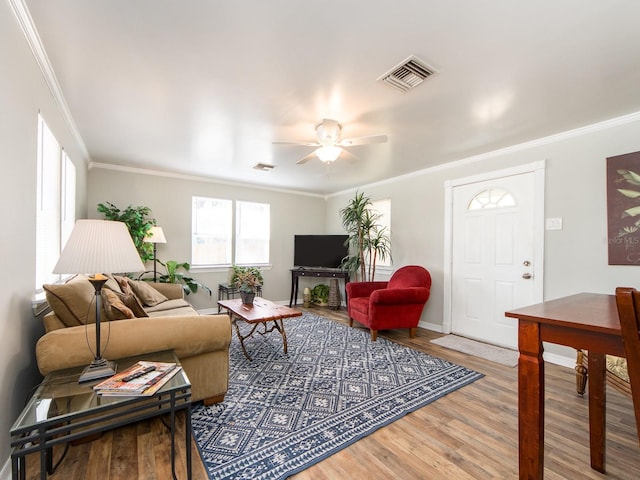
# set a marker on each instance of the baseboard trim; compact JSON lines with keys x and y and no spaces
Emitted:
{"x":569,"y":362}
{"x":431,"y":326}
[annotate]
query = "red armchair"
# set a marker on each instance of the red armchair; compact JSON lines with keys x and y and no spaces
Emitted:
{"x":397,"y":303}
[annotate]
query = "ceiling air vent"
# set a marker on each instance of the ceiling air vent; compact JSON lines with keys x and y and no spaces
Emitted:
{"x":408,"y":74}
{"x":265,"y":167}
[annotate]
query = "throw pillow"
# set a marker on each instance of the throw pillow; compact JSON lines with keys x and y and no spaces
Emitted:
{"x":114,"y":306}
{"x":72,"y":302}
{"x":123,"y":282}
{"x":147,"y":295}
{"x":112,"y":283}
{"x":133,"y":303}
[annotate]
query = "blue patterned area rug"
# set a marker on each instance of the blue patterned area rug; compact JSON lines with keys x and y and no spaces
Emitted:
{"x":283,"y":413}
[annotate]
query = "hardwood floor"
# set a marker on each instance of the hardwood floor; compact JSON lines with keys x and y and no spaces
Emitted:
{"x":469,"y":434}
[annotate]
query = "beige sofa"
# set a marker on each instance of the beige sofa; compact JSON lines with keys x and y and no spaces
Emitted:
{"x":201,"y":342}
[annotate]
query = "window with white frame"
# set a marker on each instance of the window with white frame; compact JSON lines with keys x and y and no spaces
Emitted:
{"x":383,"y":209}
{"x":253,"y":231}
{"x":55,"y":209}
{"x":211,"y":231}
{"x":218,"y":241}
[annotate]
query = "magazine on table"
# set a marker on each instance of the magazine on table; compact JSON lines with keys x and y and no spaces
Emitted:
{"x":141,"y":379}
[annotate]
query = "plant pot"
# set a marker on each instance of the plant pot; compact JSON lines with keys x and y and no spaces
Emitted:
{"x":247,"y":297}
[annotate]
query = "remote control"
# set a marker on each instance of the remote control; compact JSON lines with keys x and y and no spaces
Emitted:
{"x":139,"y":373}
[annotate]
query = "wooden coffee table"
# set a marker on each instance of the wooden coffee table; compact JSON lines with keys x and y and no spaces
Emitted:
{"x":261,"y":312}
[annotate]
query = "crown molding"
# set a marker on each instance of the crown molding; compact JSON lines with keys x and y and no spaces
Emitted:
{"x":199,"y":178}
{"x":576,"y":132}
{"x":25,"y":21}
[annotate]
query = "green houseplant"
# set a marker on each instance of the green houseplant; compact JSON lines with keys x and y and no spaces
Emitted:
{"x":175,"y":275}
{"x":320,"y":294}
{"x":368,"y":240}
{"x":137,"y":220}
{"x":246,"y":279}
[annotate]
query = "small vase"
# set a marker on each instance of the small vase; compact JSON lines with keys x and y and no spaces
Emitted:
{"x":247,"y":297}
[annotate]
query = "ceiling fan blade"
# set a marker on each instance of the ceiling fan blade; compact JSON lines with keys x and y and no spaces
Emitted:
{"x":306,"y":144}
{"x":348,"y":156}
{"x":307,"y":158}
{"x":348,"y":142}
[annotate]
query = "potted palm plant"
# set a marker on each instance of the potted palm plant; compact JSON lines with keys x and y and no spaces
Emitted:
{"x":246,"y":279}
{"x":368,"y":240}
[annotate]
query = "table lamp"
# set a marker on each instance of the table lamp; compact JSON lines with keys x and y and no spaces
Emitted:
{"x":96,"y":247}
{"x":155,"y":236}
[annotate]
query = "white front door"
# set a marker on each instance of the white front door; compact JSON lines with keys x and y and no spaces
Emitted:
{"x":493,"y":260}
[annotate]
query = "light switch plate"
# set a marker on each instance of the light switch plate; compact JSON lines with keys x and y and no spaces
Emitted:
{"x":554,"y":223}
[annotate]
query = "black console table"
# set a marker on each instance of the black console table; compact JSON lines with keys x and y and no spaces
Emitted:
{"x":296,"y":273}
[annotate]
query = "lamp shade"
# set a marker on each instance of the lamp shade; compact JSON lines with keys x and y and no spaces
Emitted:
{"x":99,"y":246}
{"x":155,"y":235}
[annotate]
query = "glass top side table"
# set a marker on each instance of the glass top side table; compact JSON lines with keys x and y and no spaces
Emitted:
{"x":62,"y":410}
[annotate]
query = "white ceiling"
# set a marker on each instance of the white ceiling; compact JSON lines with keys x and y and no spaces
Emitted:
{"x":203,"y":87}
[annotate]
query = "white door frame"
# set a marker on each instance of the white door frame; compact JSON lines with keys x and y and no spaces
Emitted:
{"x":538,"y":168}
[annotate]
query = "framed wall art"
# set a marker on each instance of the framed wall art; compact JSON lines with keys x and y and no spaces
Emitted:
{"x":623,"y":209}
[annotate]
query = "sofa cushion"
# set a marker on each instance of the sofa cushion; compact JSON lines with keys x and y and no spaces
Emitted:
{"x":72,"y":301}
{"x":176,"y":312}
{"x":147,"y":295}
{"x":168,"y":305}
{"x":114,"y":305}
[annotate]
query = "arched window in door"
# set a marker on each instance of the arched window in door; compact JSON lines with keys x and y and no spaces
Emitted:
{"x":492,"y":198}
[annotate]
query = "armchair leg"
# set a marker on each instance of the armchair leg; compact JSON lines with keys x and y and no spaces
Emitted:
{"x":374,"y":335}
{"x":350,"y":322}
{"x":412,"y":332}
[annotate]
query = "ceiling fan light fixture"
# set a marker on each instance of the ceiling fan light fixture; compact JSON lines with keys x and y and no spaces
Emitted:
{"x":328,"y":153}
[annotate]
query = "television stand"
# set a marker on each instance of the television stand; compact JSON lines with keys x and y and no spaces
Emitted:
{"x":296,"y":273}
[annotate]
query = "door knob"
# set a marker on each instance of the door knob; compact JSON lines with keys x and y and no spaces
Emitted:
{"x":526,"y":275}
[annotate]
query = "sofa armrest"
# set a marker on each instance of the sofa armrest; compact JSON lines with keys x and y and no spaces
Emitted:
{"x":363,"y":289}
{"x":188,"y":336}
{"x":393,"y":296}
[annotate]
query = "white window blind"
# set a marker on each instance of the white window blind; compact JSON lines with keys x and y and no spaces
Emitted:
{"x":211,"y":223}
{"x":48,"y":205}
{"x":253,"y":231}
{"x":56,"y":203}
{"x":68,"y":207}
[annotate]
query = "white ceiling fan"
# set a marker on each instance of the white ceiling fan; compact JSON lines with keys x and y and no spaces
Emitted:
{"x":329,"y":144}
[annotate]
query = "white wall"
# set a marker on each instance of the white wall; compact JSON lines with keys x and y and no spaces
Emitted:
{"x":23,"y":92}
{"x":170,"y":203}
{"x":575,"y":257}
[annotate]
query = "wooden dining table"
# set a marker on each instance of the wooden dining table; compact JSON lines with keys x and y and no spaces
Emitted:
{"x":586,"y":321}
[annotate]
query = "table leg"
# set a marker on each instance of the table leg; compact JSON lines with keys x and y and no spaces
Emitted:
{"x":173,"y":435}
{"x":530,"y":401}
{"x":234,"y":321}
{"x":597,"y":414}
{"x":283,"y":333}
{"x":294,"y":289}
{"x":187,"y":428}
{"x":18,"y":467}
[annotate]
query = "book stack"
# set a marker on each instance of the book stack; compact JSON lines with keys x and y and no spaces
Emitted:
{"x":141,"y":379}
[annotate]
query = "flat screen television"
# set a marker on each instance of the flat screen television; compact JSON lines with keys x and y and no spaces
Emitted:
{"x":319,"y":251}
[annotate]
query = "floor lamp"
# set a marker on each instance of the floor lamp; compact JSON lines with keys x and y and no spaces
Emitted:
{"x":96,"y":247}
{"x":155,"y":236}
